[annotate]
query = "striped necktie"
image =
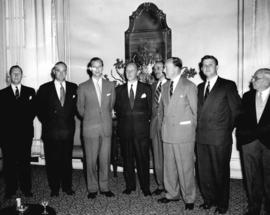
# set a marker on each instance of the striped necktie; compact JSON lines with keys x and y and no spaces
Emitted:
{"x":157,"y":93}
{"x":171,"y":89}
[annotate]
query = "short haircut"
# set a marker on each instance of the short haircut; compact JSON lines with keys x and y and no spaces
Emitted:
{"x":59,"y":63}
{"x":209,"y":57}
{"x":131,"y":63}
{"x":176,"y":62}
{"x":264,"y":71}
{"x":15,"y":67}
{"x":95,"y":59}
{"x":160,"y":61}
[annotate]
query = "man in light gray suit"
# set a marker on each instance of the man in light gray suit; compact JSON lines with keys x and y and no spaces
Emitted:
{"x":179,"y":107}
{"x":95,"y":102}
{"x":155,"y":126}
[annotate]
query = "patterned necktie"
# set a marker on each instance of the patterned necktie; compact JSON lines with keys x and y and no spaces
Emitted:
{"x":207,"y":90}
{"x":131,"y":96}
{"x":157,"y":94}
{"x":171,"y":89}
{"x":17,"y":94}
{"x":62,"y":95}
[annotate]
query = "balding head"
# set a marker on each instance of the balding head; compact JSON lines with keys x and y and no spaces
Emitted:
{"x":261,"y":79}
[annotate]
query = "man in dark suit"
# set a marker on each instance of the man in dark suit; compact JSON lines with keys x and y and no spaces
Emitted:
{"x":56,"y":101}
{"x":17,"y":128}
{"x":133,"y":110}
{"x":155,"y":126}
{"x":253,"y":135}
{"x":96,"y":98}
{"x":218,"y":106}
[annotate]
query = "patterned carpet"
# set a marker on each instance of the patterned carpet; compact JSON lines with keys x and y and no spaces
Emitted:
{"x":133,"y":204}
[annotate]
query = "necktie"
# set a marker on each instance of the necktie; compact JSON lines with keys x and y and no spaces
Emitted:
{"x":17,"y":94}
{"x":157,"y":94}
{"x":207,"y":90}
{"x":131,"y":97}
{"x":171,"y":89}
{"x":99,"y":93}
{"x":62,"y":95}
{"x":259,"y":106}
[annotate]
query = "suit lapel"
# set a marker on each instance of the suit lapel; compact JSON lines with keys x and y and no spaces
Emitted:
{"x":125,"y":95}
{"x":138,"y":92}
{"x":93,"y":89}
{"x":177,"y":92}
{"x":54,"y":94}
{"x":104,"y":90}
{"x":211,"y":95}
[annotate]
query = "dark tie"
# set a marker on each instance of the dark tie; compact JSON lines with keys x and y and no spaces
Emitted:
{"x":62,"y":95}
{"x":171,"y":89}
{"x":131,"y":96}
{"x":207,"y":90}
{"x":17,"y":94}
{"x":157,"y":94}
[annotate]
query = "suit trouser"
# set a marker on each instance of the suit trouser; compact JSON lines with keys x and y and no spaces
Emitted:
{"x":58,"y":157}
{"x":179,"y":171}
{"x":214,"y":173}
{"x":136,"y":149}
{"x":256,"y":161}
{"x":16,"y":160}
{"x":97,"y":148}
{"x":157,"y":148}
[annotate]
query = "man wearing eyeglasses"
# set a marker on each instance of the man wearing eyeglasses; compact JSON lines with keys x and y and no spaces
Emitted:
{"x":254,"y":139}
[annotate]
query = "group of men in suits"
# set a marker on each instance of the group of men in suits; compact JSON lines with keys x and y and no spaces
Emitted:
{"x":186,"y":125}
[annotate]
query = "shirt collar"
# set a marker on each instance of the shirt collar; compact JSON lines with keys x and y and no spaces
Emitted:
{"x":134,"y":84}
{"x":265,"y":92}
{"x":176,"y":79}
{"x":162,"y":82}
{"x":13,"y":86}
{"x":212,"y":80}
{"x":58,"y":84}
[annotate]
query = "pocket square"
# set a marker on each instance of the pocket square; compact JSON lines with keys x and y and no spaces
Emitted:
{"x":143,"y":96}
{"x":73,"y":96}
{"x":30,"y":97}
{"x":182,"y":96}
{"x":185,"y":122}
{"x":108,"y":94}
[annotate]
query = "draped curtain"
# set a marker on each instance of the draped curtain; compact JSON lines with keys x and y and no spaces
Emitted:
{"x":254,"y":38}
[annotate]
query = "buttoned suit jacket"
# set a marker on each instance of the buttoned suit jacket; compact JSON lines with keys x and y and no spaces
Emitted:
{"x":94,"y":115}
{"x":179,"y":112}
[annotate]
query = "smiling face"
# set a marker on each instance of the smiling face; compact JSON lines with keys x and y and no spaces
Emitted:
{"x":60,"y":72}
{"x":96,"y":69}
{"x":131,"y":72}
{"x":16,"y":76}
{"x":159,"y":70}
{"x":170,"y":69}
{"x":209,"y":68}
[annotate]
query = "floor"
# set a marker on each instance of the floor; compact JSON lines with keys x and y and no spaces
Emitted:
{"x":133,"y":204}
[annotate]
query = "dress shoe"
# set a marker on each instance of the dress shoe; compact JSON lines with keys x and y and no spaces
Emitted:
{"x":147,"y":193}
{"x":189,"y":206}
{"x":220,"y":210}
{"x":54,"y":193}
{"x":69,"y":192}
{"x":107,"y":193}
{"x":28,"y":194}
{"x":128,"y":191}
{"x":164,"y":200}
{"x":206,"y":206}
{"x":157,"y":192}
{"x":92,"y":195}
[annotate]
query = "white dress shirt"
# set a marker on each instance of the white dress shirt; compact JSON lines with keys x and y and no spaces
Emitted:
{"x":13,"y":86}
{"x":57,"y":85}
{"x":212,"y":82}
{"x":261,"y":99}
{"x":134,"y":87}
{"x":98,"y":87}
{"x":162,"y":82}
{"x":175,"y":81}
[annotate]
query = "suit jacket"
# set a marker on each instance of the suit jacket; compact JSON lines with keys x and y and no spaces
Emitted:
{"x":18,"y":114}
{"x":156,"y":117}
{"x":248,"y":129}
{"x":93,"y":115}
{"x":179,"y":112}
{"x":133,"y":122}
{"x":217,"y":114}
{"x":57,"y":122}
